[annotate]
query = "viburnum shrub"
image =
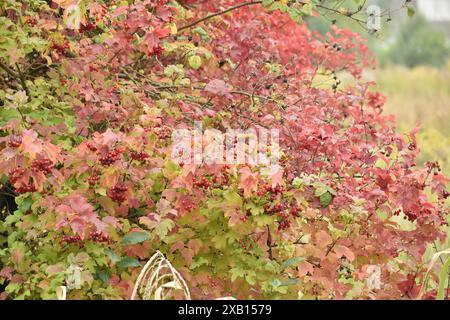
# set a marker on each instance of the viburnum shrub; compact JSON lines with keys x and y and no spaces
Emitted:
{"x":87,"y":116}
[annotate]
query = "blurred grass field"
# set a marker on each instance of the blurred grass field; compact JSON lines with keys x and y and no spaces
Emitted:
{"x":420,"y":95}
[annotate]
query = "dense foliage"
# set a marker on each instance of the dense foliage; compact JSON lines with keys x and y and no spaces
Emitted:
{"x":86,"y":123}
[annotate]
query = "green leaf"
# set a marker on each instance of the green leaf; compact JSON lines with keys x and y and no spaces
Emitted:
{"x":291,"y":261}
{"x":411,"y":11}
{"x":25,"y":204}
{"x":134,"y":238}
{"x":195,"y":62}
{"x":282,"y":283}
{"x":297,"y":183}
{"x":202,"y":33}
{"x":267,"y":3}
{"x":112,"y":255}
{"x":307,"y":8}
{"x":128,"y":262}
{"x":103,"y":276}
{"x":237,"y":273}
{"x":163,"y":228}
{"x":325,"y":199}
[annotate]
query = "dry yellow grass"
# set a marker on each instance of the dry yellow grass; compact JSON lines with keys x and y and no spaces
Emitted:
{"x":420,"y":95}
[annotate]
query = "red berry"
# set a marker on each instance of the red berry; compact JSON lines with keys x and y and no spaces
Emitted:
{"x":111,"y":157}
{"x":118,"y":193}
{"x":139,"y":156}
{"x":16,"y":174}
{"x":14,"y":141}
{"x":24,"y":188}
{"x":44,"y":165}
{"x":93,"y":179}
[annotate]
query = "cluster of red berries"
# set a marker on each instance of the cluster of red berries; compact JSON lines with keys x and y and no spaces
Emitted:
{"x":246,"y":243}
{"x":158,"y":50}
{"x":111,"y":157}
{"x":15,"y":141}
{"x":44,"y":165}
{"x":70,"y":239}
{"x":88,"y":27}
{"x":243,"y":218}
{"x":283,"y":220}
{"x":412,"y":146}
{"x":202,"y":183}
{"x":411,"y":216}
{"x":221,"y":180}
{"x":432,"y":166}
{"x":98,"y":236}
{"x":32,"y":22}
{"x":26,"y":187}
{"x":295,"y":212}
{"x":61,"y":49}
{"x":275,"y":209}
{"x":90,"y":146}
{"x":162,"y":133}
{"x":139,"y":156}
{"x":118,"y":193}
{"x":267,"y":188}
{"x":93,"y":179}
{"x":16,"y":174}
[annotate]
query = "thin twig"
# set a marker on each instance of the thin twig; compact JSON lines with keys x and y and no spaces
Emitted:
{"x":190,"y":25}
{"x":8,"y":70}
{"x":23,"y":82}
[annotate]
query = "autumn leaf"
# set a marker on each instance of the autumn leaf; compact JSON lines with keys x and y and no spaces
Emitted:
{"x":248,"y":181}
{"x":217,"y":87}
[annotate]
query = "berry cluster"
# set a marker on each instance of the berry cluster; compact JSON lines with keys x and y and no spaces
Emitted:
{"x":98,"y":236}
{"x":44,"y":165}
{"x":91,"y":146}
{"x":246,"y":243}
{"x":162,"y":133}
{"x":412,"y":146}
{"x":277,"y":208}
{"x":111,"y":157}
{"x":93,"y":179}
{"x":267,"y":188}
{"x":295,"y":212}
{"x":14,"y":141}
{"x":158,"y":50}
{"x":139,"y":156}
{"x":32,"y":22}
{"x":283,"y":220}
{"x":61,"y":49}
{"x":243,"y":218}
{"x":26,"y":187}
{"x":70,"y":239}
{"x":16,"y":174}
{"x":118,"y":193}
{"x":221,"y":180}
{"x":202,"y":183}
{"x":432,"y":166}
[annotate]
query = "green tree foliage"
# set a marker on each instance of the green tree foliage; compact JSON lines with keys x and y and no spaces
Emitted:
{"x":418,"y":43}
